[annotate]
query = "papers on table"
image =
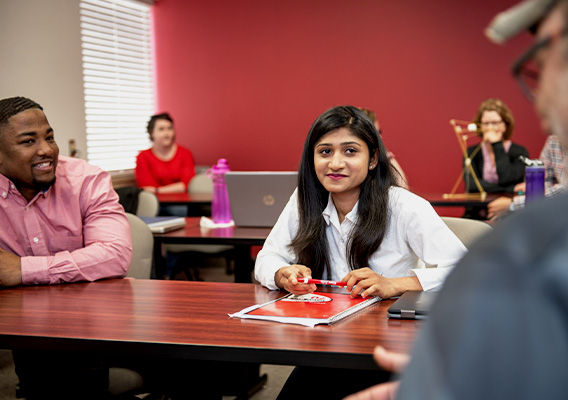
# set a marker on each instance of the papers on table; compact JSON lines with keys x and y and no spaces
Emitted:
{"x":164,"y":224}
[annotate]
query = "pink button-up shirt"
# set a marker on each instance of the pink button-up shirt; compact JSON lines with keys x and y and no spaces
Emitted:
{"x":74,"y":231}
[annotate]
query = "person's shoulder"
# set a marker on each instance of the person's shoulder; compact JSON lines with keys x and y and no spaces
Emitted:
{"x":183,"y":152}
{"x":183,"y":149}
{"x":525,"y":238}
{"x":145,"y":153}
{"x":71,"y":165}
{"x":547,"y":216}
{"x":518,"y":148}
{"x":73,"y":169}
{"x":400,"y":195}
{"x":403,"y":201}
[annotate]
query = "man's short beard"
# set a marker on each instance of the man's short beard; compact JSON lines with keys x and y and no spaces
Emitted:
{"x":41,"y":186}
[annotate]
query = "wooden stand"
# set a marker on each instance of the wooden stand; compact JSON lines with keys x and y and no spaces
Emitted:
{"x":464,"y":130}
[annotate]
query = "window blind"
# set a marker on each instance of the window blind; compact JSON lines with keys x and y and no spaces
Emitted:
{"x":118,"y":84}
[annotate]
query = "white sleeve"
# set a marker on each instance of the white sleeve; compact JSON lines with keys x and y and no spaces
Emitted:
{"x":276,"y":252}
{"x":432,"y":241}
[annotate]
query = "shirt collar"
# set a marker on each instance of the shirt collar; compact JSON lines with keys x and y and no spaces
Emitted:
{"x":330,"y":213}
{"x":6,"y":185}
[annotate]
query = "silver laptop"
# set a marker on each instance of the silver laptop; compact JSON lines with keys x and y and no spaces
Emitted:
{"x":258,"y":198}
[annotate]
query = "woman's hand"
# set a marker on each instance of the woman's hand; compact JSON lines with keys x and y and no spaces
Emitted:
{"x":287,"y":278}
{"x":366,"y":282}
{"x":492,"y":136}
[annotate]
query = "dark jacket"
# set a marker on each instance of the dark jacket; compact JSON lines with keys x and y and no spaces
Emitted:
{"x":510,"y":169}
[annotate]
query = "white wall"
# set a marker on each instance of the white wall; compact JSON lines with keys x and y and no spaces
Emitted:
{"x":40,"y":55}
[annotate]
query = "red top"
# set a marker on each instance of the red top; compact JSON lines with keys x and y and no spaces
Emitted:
{"x":151,"y":171}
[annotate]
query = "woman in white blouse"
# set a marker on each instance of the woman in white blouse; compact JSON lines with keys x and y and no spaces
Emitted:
{"x":349,"y":221}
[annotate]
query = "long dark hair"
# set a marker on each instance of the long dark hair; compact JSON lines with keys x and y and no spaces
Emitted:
{"x":310,"y":243}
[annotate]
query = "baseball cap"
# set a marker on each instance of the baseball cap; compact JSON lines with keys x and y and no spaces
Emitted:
{"x":518,"y":18}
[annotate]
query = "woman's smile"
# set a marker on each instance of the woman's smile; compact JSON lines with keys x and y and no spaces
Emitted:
{"x":336,"y":177}
{"x":341,"y":162}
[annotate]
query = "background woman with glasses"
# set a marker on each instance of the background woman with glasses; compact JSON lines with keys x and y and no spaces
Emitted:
{"x":496,"y":159}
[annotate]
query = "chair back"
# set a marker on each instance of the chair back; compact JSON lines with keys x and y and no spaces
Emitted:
{"x":148,"y":204}
{"x":142,"y":248}
{"x":467,"y":230}
{"x":200,"y":183}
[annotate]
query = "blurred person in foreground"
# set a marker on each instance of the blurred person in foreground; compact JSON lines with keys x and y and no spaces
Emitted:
{"x":499,"y":329}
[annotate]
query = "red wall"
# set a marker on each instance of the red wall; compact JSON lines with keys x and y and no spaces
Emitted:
{"x":245,"y":79}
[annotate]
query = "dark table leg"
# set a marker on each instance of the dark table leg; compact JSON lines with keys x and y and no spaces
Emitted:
{"x":159,"y":271}
{"x":243,"y":264}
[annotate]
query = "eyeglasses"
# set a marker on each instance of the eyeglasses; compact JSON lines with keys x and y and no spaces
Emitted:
{"x":490,"y":123}
{"x":527,"y":71}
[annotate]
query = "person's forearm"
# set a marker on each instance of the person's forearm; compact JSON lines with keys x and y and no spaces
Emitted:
{"x":178,"y":187}
{"x":91,"y":263}
{"x":10,"y":269}
{"x":405,"y":284}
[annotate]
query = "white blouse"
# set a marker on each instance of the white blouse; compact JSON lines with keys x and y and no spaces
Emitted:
{"x":417,"y":242}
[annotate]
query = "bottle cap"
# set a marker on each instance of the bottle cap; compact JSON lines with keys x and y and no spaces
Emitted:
{"x":221,"y":167}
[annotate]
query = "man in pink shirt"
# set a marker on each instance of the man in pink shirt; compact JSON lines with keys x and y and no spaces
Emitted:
{"x":61,"y":222}
{"x":61,"y":219}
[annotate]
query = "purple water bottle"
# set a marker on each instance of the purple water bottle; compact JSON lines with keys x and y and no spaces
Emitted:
{"x":534,"y":178}
{"x":220,"y":207}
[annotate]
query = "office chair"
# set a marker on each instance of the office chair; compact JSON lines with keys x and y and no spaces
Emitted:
{"x":148,"y":204}
{"x":125,"y":382}
{"x":467,"y":230}
{"x":142,"y":248}
{"x":200,"y":183}
{"x":137,"y":201}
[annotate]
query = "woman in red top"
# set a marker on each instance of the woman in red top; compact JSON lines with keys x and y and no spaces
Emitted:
{"x":166,"y":167}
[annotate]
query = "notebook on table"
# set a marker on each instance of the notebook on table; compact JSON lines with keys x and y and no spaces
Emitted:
{"x":412,"y":305}
{"x":308,"y":309}
{"x":164,"y":224}
{"x":258,"y":198}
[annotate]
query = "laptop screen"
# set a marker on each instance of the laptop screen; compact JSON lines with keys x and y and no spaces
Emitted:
{"x":258,"y":197}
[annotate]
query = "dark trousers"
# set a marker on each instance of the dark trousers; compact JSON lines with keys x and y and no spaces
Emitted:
{"x":60,"y":375}
{"x":329,"y":383}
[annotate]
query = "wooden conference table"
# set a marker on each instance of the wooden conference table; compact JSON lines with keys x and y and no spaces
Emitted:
{"x":240,"y":237}
{"x":188,"y":320}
